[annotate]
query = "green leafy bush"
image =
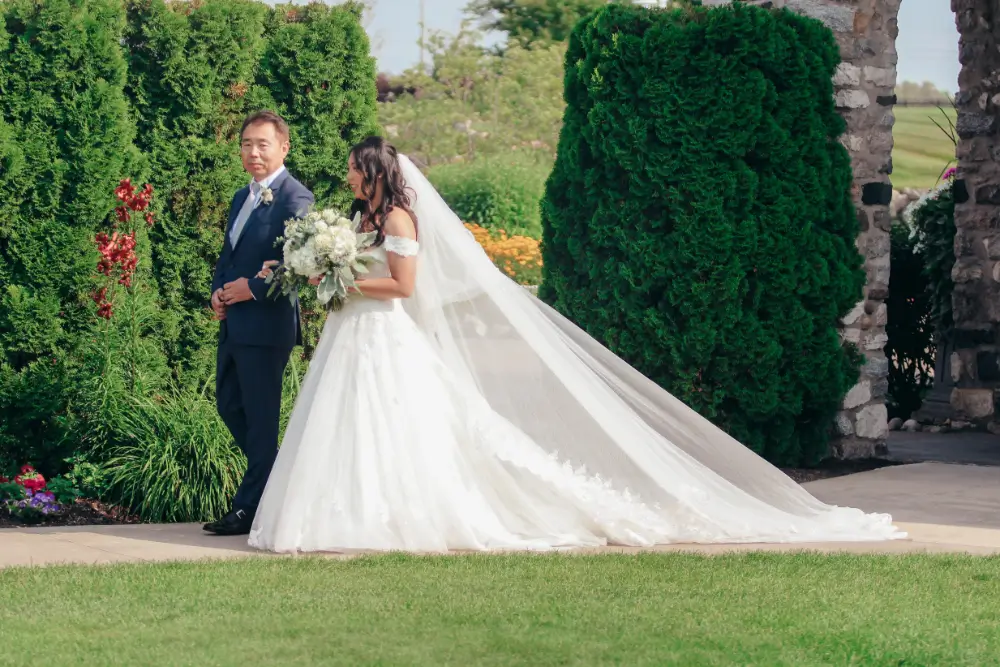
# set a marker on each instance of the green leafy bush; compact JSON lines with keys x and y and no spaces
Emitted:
{"x":932,"y":220}
{"x":63,"y":489}
{"x":10,"y":491}
{"x":920,"y":323}
{"x":499,"y":192}
{"x":179,"y":462}
{"x":90,"y":479}
{"x":475,"y":103}
{"x":910,"y":325}
{"x":699,"y":220}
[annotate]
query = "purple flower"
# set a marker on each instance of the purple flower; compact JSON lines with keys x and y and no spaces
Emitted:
{"x":35,"y":503}
{"x":949,"y":173}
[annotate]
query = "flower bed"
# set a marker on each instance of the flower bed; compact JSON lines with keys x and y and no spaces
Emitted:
{"x":520,"y":257}
{"x":31,"y":500}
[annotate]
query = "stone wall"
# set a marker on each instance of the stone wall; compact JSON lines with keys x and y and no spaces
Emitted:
{"x":975,"y":364}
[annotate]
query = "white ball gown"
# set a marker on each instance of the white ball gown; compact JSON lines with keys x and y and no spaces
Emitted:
{"x":473,"y":417}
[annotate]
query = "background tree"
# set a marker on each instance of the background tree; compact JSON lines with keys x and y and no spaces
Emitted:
{"x":528,"y":22}
{"x":910,"y":92}
{"x":473,"y":102}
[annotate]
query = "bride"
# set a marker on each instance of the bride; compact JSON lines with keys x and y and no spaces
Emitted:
{"x":448,"y":409}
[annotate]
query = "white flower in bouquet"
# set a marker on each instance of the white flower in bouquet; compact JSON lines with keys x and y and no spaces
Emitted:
{"x":338,"y":244}
{"x":323,"y":243}
{"x":304,"y":261}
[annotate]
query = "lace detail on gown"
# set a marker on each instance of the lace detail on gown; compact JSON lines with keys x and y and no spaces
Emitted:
{"x":401,"y":246}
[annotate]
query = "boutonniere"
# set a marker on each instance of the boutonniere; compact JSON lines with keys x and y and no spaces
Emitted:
{"x":266,"y":196}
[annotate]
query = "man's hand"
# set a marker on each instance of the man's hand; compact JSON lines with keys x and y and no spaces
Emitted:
{"x":268,"y":268}
{"x":236,"y":291}
{"x":218,"y":305}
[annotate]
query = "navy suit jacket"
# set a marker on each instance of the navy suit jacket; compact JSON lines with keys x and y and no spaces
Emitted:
{"x":269,"y":321}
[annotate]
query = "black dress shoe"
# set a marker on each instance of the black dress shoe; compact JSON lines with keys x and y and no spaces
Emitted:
{"x":210,"y":526}
{"x":234,"y":523}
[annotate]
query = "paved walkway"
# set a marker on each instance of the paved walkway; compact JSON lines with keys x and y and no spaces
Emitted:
{"x":944,"y":508}
{"x":967,"y":447}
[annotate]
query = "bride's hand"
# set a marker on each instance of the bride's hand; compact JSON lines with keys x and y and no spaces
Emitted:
{"x":315,"y":280}
{"x":268,"y":268}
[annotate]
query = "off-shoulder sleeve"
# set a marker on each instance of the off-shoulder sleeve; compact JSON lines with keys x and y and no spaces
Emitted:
{"x":401,"y":246}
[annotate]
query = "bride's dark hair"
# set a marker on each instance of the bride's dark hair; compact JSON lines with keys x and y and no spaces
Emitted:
{"x":375,"y":158}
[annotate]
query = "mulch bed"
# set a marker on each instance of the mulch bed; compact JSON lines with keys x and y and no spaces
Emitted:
{"x":836,"y":468}
{"x":82,"y":513}
{"x":95,"y":513}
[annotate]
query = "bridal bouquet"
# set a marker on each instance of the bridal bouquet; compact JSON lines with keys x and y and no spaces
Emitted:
{"x":323,"y":243}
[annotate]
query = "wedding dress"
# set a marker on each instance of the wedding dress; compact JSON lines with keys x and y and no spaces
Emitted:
{"x":474,"y":417}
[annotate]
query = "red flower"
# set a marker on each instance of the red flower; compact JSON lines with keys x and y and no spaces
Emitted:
{"x":30,"y":479}
{"x":140,"y":202}
{"x":124,"y":190}
{"x":118,"y":260}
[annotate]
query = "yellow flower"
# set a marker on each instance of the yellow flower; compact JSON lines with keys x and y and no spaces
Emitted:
{"x":520,"y":257}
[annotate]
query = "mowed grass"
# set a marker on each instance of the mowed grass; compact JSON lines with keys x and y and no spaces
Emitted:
{"x":921,"y":151}
{"x":652,"y":609}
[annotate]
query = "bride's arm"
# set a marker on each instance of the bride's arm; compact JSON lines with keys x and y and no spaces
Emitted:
{"x":402,"y":268}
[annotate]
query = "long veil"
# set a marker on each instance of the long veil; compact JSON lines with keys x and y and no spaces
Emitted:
{"x":590,"y":409}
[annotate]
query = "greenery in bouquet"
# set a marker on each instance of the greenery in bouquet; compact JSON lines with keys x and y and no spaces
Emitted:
{"x":323,"y":244}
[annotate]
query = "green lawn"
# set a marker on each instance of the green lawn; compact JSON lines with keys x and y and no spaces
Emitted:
{"x":920,"y":150}
{"x":755,"y":609}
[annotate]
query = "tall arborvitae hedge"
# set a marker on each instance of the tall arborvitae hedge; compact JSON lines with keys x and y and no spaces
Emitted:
{"x":318,"y":70}
{"x":196,"y":70}
{"x":699,"y":219}
{"x":65,"y":142}
{"x":93,"y":91}
{"x":192,"y":72}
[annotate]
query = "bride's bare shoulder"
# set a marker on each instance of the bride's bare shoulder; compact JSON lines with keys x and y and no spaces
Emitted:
{"x":399,"y":223}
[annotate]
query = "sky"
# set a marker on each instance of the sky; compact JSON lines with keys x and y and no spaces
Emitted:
{"x":927,"y":42}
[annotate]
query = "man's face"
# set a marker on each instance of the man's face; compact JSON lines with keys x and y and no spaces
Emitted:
{"x":263,"y":150}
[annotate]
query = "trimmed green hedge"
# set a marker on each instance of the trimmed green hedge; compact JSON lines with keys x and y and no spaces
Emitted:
{"x":66,"y":139}
{"x":196,"y":70}
{"x":699,"y":219}
{"x":498,"y":192}
{"x":94,"y":91}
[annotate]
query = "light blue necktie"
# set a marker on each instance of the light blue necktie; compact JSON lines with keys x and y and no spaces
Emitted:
{"x":244,"y":214}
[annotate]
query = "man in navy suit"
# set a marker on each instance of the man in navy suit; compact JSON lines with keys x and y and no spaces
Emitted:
{"x":257,"y":332}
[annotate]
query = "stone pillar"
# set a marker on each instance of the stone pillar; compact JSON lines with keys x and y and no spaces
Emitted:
{"x":976,"y":296}
{"x":864,"y":83}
